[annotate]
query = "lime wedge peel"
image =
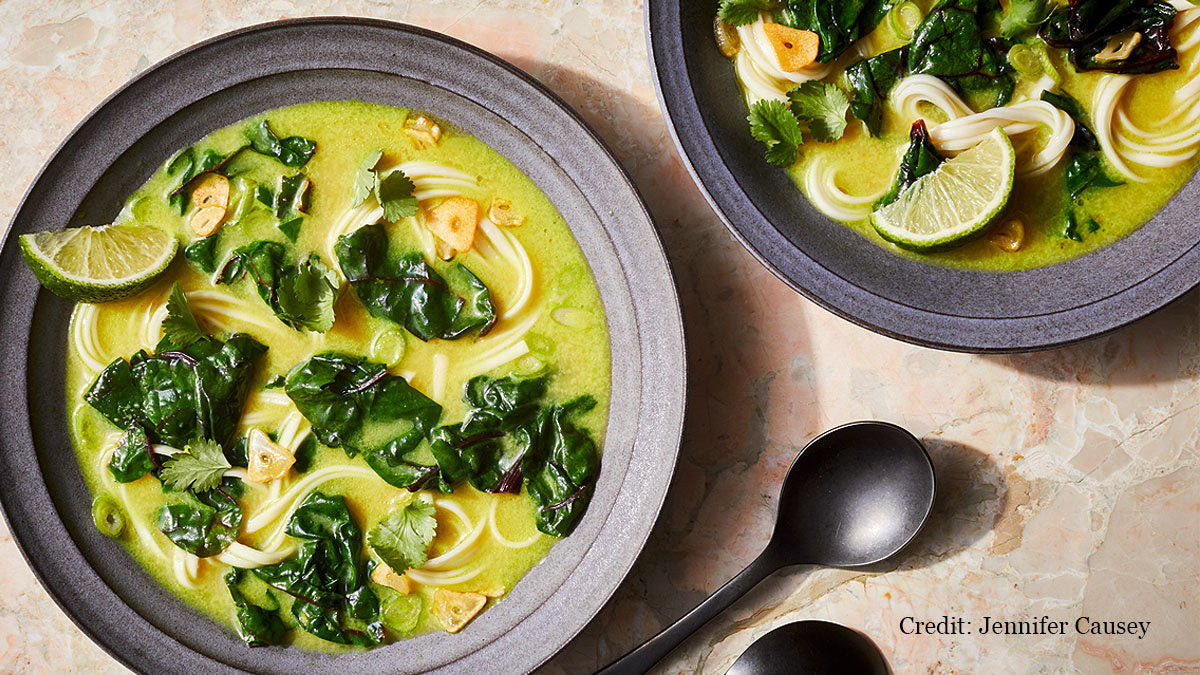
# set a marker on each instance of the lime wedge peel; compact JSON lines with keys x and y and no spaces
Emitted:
{"x":957,"y":201}
{"x":99,"y":264}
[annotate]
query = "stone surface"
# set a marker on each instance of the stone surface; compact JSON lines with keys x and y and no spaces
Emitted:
{"x":1068,"y":479}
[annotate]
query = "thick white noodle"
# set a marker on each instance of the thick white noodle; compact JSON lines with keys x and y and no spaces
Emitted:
{"x":271,"y":511}
{"x":510,"y":248}
{"x":820,"y":182}
{"x":494,"y":530}
{"x":85,"y":335}
{"x":760,"y":72}
{"x":221,"y":309}
{"x":185,"y":570}
{"x":965,"y":129}
{"x":963,"y":133}
{"x":247,"y":557}
{"x":499,"y":341}
{"x":442,"y":579}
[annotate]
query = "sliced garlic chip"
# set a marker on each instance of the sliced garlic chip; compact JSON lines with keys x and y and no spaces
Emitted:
{"x":268,"y":460}
{"x":455,"y":610}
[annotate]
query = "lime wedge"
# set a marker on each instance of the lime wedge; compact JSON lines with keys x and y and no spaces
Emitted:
{"x":955,"y":202}
{"x":99,"y":264}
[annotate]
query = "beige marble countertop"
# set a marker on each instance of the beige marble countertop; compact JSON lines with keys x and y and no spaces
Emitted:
{"x":1070,"y":482}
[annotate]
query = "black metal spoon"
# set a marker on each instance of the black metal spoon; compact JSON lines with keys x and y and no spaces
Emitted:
{"x":854,"y":495}
{"x":816,"y":647}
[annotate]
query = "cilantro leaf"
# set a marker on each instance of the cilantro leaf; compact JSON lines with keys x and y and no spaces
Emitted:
{"x":402,"y":538}
{"x":742,"y":12}
{"x":772,"y":123}
{"x":306,"y":296}
{"x":823,"y":106}
{"x":180,"y":326}
{"x":199,"y":468}
{"x":366,"y":178}
{"x":394,"y":192}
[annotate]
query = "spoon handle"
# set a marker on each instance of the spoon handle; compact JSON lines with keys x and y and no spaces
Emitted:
{"x":644,"y":657}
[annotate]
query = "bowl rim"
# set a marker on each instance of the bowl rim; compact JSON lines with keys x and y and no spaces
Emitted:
{"x":660,"y":436}
{"x":888,"y":313}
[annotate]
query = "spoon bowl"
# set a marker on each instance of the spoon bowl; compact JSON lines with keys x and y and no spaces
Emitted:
{"x":816,"y":647}
{"x":854,"y":496}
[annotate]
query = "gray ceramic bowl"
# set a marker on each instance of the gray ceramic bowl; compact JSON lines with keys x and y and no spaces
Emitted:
{"x":862,"y":282}
{"x":177,"y":102}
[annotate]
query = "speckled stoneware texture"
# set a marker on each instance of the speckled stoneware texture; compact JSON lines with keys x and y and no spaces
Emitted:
{"x":174,"y":104}
{"x":867,"y":284}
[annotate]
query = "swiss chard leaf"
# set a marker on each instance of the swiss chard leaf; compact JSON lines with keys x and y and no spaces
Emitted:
{"x":257,"y":625}
{"x":291,"y":203}
{"x":203,"y":253}
{"x":301,"y":295}
{"x":1084,"y":171}
{"x":293,"y":151}
{"x":407,"y":291}
{"x":133,"y":457}
{"x":920,"y":159}
{"x":949,"y":44}
{"x":775,"y":126}
{"x":871,"y":80}
{"x":488,"y":447}
{"x":562,"y":468}
{"x":328,"y":575}
{"x":1085,"y":28}
{"x":359,"y":407}
{"x":1023,"y":17}
{"x":403,"y":537}
{"x":188,"y":165}
{"x":823,"y":106}
{"x":204,"y":525}
{"x":838,"y":23}
{"x":179,"y":394}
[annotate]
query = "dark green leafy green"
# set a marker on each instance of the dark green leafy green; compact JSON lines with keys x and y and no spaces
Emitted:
{"x":360,"y":407}
{"x":257,"y":625}
{"x":742,"y":12}
{"x":775,"y":126}
{"x":838,"y":23}
{"x":561,"y":467}
{"x":1077,"y":221}
{"x":180,"y":393}
{"x":293,"y":151}
{"x":1085,"y":28}
{"x":301,"y":295}
{"x":186,"y":166}
{"x":403,"y":537}
{"x":488,"y":447}
{"x":823,"y":106}
{"x":133,"y":457}
{"x":870,"y":81}
{"x":1084,"y":171}
{"x":920,"y":159}
{"x":291,"y":204}
{"x":407,"y":291}
{"x":328,"y":575}
{"x":199,"y":468}
{"x":203,"y":253}
{"x":950,"y":44}
{"x":204,"y":524}
{"x":1023,"y":17}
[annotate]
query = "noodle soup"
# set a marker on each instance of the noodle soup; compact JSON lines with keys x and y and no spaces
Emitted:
{"x":1105,"y":131}
{"x":370,"y":400}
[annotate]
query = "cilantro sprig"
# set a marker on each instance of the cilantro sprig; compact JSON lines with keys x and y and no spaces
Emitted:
{"x":180,"y":326}
{"x":394,"y":190}
{"x":742,"y":12}
{"x":402,"y":538}
{"x":816,"y":107}
{"x":200,"y":467}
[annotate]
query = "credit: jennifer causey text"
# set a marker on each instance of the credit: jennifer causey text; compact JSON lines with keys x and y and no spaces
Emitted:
{"x":1041,"y":625}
